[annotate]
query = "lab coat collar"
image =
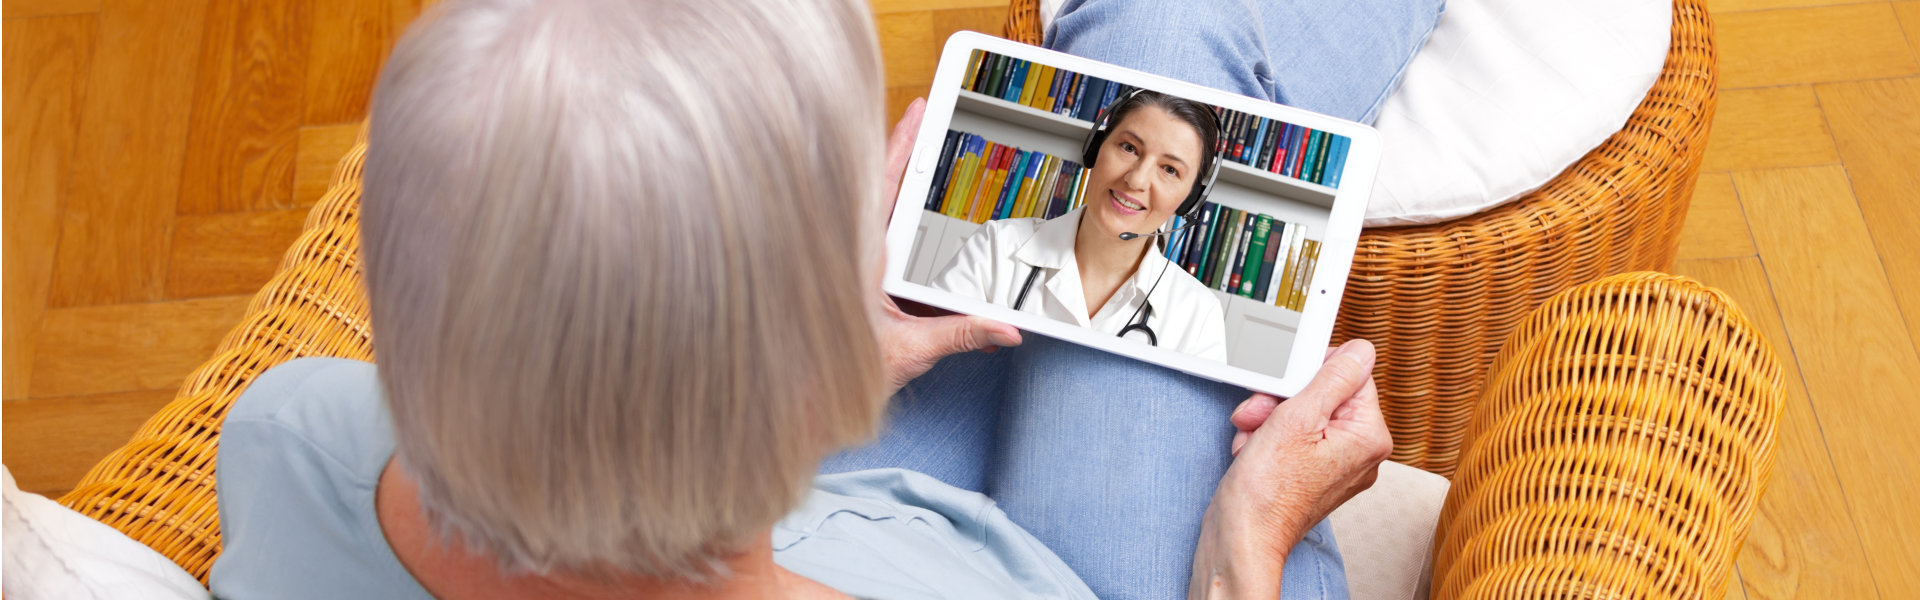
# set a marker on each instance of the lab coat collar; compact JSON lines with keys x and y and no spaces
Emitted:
{"x":1051,"y":246}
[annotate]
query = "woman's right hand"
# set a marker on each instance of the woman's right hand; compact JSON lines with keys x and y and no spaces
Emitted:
{"x":1295,"y":461}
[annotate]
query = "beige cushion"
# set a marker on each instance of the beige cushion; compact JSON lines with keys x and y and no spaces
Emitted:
{"x":1386,"y":533}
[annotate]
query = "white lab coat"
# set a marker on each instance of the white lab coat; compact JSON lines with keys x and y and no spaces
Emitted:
{"x":994,"y":262}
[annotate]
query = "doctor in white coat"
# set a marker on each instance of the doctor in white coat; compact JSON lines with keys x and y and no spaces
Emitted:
{"x":1101,"y":266}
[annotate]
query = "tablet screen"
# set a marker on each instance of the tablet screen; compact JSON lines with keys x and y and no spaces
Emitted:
{"x":1069,"y":196}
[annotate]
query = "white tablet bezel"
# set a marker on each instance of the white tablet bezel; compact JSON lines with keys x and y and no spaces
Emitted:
{"x":1329,"y":278}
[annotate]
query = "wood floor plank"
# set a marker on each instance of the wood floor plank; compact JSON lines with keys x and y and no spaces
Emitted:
{"x":912,"y":52}
{"x":115,"y":224}
{"x":1811,"y":45}
{"x":881,"y":7}
{"x":19,"y":9}
{"x":128,"y":347}
{"x":321,"y":147}
{"x":47,"y":62}
{"x":1717,"y":7}
{"x":1802,"y":543}
{"x":1716,"y":227}
{"x":229,"y":253}
{"x":1878,"y":126}
{"x":1909,"y":13}
{"x":246,"y":107}
{"x":990,"y":20}
{"x":51,"y":442}
{"x":1853,"y":350}
{"x":1768,"y":127}
{"x":350,"y":40}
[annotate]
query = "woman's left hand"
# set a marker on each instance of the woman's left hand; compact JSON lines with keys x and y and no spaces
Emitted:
{"x":913,"y":344}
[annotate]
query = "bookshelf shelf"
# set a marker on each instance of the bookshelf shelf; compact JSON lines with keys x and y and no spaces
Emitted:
{"x":1062,"y":136}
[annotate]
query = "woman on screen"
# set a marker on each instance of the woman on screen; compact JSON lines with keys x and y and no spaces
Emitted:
{"x":1150,"y":159}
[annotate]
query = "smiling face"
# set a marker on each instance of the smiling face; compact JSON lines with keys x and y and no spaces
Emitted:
{"x":1146,"y":167}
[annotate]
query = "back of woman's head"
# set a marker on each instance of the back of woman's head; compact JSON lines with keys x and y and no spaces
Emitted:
{"x":622,"y":259}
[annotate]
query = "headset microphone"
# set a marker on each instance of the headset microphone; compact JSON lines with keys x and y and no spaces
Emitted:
{"x":1130,"y":236}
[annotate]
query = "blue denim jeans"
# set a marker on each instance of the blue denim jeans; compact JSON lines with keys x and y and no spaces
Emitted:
{"x":1108,"y":461}
{"x":1336,"y":58}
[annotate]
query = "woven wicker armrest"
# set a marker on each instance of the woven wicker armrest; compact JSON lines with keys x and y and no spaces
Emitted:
{"x":159,"y":487}
{"x":1625,"y":435}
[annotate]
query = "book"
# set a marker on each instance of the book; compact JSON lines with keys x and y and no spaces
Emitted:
{"x":1043,"y":181}
{"x":1256,"y":252}
{"x":1254,"y":125}
{"x":1303,"y":277}
{"x":1283,"y":157}
{"x":1337,"y":162}
{"x":1090,"y":109}
{"x":1254,"y":156}
{"x":1308,"y":145}
{"x":1263,"y":283}
{"x":1070,"y":85}
{"x":1289,"y":270}
{"x":1265,"y":162}
{"x":1191,"y":260}
{"x":991,"y":84}
{"x":1215,"y":230}
{"x":1106,"y":100}
{"x":1017,"y":83}
{"x":1320,"y":158}
{"x":1009,"y":191}
{"x":940,"y":171}
{"x":1029,"y":82}
{"x":1238,"y":266}
{"x":1277,"y":155}
{"x":1063,"y":191}
{"x":983,"y":200}
{"x":1030,"y":188}
{"x":1223,"y":259}
{"x":1276,"y":259}
{"x":1010,"y":187}
{"x":958,"y":198}
{"x":973,"y":69}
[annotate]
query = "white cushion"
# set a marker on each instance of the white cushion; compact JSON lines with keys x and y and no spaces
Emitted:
{"x":54,"y":552}
{"x":1504,"y":96}
{"x":1507,"y":94}
{"x":1385,"y":534}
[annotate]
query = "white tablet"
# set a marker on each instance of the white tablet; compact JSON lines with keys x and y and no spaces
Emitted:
{"x":1083,"y":201}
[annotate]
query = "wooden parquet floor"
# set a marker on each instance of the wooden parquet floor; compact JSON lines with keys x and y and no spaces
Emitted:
{"x":159,"y":157}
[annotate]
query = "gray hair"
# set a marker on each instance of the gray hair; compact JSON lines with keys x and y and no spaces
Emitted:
{"x":622,"y":258}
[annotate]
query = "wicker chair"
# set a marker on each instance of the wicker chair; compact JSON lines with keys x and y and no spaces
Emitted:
{"x":1439,"y":299}
{"x":1622,"y":442}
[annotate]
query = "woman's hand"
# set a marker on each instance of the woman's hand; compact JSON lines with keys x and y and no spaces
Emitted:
{"x":913,"y":344}
{"x":1294,"y":462}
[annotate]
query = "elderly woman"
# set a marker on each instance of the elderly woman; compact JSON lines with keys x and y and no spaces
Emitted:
{"x":623,"y":258}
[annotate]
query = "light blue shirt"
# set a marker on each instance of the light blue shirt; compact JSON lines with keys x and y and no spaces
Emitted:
{"x":302,"y":450}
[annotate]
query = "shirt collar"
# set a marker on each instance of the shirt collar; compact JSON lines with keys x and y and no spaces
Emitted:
{"x":1051,"y":246}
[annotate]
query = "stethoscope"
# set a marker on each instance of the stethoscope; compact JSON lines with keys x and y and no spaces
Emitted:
{"x":1140,"y":315}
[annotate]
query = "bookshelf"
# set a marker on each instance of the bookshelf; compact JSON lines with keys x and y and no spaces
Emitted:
{"x":1254,"y":329}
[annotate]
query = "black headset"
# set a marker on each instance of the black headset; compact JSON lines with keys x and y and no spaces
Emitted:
{"x":1201,"y":186}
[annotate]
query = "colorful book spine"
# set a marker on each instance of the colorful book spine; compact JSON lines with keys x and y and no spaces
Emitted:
{"x":1320,"y":158}
{"x":1288,"y":271}
{"x":1256,"y":251}
{"x":1337,"y":162}
{"x":981,"y":62}
{"x":1238,"y":264}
